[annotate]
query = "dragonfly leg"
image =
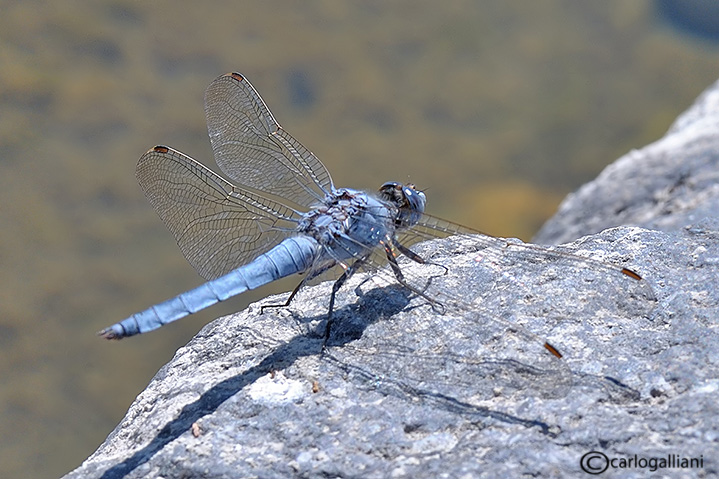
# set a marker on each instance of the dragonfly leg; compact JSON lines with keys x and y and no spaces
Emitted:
{"x":289,"y":300}
{"x":307,"y":278}
{"x":436,"y":305}
{"x":352,"y":269}
{"x":417,"y":258}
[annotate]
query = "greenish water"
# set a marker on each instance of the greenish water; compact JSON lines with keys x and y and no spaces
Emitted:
{"x":496,"y":108}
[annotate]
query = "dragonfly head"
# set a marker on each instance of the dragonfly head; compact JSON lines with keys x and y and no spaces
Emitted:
{"x":407,"y":199}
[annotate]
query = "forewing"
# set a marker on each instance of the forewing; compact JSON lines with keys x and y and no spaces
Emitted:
{"x":501,"y":302}
{"x":467,"y":351}
{"x":588,"y":277}
{"x":254,"y":150}
{"x":217,"y":226}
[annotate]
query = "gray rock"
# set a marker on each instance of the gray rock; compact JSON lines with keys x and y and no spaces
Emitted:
{"x":668,"y":184}
{"x":407,"y":390}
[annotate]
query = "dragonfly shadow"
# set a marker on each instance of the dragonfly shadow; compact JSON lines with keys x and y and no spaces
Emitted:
{"x":406,"y":390}
{"x":381,"y":304}
{"x":206,"y":404}
{"x":376,"y":305}
{"x":351,"y":320}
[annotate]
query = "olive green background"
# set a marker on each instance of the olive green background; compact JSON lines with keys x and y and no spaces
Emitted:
{"x":496,"y":109}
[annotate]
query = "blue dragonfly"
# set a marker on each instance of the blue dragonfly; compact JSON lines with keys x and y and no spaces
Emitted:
{"x":287,"y":217}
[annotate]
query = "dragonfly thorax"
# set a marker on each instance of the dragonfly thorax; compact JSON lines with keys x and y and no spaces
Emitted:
{"x":348,"y":213}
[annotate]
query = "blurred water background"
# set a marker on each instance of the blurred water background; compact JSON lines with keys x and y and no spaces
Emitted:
{"x":497,"y":109}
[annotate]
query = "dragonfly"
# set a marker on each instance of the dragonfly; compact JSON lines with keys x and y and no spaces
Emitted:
{"x":284,"y":216}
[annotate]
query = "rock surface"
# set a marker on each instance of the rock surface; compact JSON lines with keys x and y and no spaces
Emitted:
{"x":404,"y":391}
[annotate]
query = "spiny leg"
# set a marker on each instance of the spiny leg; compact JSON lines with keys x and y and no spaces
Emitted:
{"x":307,"y":278}
{"x":417,"y":258}
{"x":437,"y":306}
{"x":289,"y":300}
{"x":352,"y":269}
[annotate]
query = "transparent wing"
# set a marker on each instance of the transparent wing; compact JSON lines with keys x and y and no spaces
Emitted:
{"x":500,"y":301}
{"x":217,"y":226}
{"x":254,"y":150}
{"x":514,"y":265}
{"x":464,"y":355}
{"x":589,"y":277}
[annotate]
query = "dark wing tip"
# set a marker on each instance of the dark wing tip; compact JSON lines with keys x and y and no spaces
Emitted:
{"x":631,"y":274}
{"x":553,"y":350}
{"x":161,"y":149}
{"x":236,"y":76}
